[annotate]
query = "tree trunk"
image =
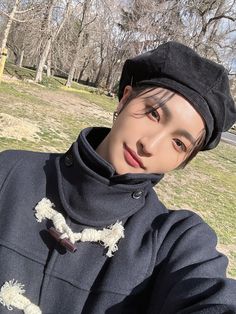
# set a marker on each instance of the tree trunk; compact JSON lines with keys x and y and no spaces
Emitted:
{"x":108,"y":80}
{"x":9,"y":23}
{"x":80,"y":75}
{"x":97,"y":80}
{"x":85,"y":64}
{"x":76,"y":56}
{"x":47,"y":47}
{"x":216,"y":22}
{"x":74,"y":64}
{"x":39,"y":72}
{"x":72,"y":68}
{"x":49,"y":64}
{"x":19,"y":58}
{"x":51,"y":38}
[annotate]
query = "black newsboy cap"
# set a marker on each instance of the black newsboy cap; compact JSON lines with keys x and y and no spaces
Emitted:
{"x":202,"y":82}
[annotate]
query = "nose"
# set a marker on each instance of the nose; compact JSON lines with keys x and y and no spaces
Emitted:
{"x":148,"y":145}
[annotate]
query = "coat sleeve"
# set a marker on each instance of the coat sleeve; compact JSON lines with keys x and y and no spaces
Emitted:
{"x":190,"y":274}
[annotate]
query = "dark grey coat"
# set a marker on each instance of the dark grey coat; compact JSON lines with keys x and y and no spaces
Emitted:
{"x":167,"y":262}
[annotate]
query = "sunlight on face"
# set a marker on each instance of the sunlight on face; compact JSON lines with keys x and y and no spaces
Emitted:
{"x":147,"y":138}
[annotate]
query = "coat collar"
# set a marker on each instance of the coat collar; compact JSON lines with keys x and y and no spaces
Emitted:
{"x":90,"y":190}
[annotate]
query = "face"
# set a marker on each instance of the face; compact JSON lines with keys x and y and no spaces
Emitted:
{"x":148,"y":139}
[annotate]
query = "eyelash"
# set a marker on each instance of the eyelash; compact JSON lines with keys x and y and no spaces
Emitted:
{"x":154,"y":115}
{"x":150,"y":113}
{"x":181,"y":146}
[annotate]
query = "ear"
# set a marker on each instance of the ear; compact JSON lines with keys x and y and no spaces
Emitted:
{"x":127,"y":92}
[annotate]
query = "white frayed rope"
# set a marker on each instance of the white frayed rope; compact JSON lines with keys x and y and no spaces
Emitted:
{"x":107,"y":236}
{"x":11,"y":295}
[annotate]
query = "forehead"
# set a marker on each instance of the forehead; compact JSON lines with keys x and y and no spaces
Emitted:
{"x":169,"y":98}
{"x":150,"y":92}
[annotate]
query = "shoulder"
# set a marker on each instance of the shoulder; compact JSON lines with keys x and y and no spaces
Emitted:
{"x":185,"y":236}
{"x":191,"y":271}
{"x":9,"y":160}
{"x":21,"y":162}
{"x":14,"y":155}
{"x":171,"y":225}
{"x":178,"y":221}
{"x":12,"y":158}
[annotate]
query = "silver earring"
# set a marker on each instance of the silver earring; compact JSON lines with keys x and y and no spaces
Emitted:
{"x":115,"y":115}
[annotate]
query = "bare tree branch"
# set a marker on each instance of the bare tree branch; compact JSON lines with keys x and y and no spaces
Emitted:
{"x":26,"y":11}
{"x":222,"y":16}
{"x":87,"y":24}
{"x":4,"y":13}
{"x":215,"y":18}
{"x":14,"y":19}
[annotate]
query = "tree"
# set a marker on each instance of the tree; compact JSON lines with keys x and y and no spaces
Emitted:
{"x":100,"y":34}
{"x":51,"y":34}
{"x":83,"y":21}
{"x":13,"y":16}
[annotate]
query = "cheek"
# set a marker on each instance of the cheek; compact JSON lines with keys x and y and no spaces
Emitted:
{"x":118,"y":134}
{"x":167,"y":158}
{"x":129,"y":126}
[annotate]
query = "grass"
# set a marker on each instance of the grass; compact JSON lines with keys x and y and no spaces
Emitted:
{"x":20,"y":73}
{"x":207,"y":185}
{"x":88,"y":93}
{"x":107,"y":103}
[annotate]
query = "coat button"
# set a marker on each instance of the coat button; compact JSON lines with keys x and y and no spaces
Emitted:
{"x":68,"y":160}
{"x":137,"y":194}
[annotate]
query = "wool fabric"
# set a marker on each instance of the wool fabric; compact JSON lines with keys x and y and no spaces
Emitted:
{"x":202,"y":82}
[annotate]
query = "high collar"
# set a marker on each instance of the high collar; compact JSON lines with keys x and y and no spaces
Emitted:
{"x":90,"y":190}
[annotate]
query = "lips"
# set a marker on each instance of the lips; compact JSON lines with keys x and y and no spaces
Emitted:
{"x":131,"y":158}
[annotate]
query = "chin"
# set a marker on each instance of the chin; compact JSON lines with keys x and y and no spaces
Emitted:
{"x":130,"y":170}
{"x":121,"y":169}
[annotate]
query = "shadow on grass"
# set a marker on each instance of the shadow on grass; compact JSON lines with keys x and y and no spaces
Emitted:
{"x":56,"y":79}
{"x":19,"y":73}
{"x":227,"y":159}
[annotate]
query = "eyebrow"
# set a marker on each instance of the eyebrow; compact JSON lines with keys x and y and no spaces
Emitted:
{"x":168,"y":116}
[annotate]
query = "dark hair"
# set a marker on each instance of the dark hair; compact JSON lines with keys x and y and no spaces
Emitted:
{"x":141,"y":90}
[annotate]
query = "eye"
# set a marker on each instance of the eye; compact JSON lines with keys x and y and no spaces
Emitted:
{"x":179,"y":145}
{"x":153,"y":114}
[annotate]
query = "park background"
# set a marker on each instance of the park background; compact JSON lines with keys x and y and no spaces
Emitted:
{"x":63,"y":62}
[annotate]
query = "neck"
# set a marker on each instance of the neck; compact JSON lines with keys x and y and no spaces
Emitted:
{"x":102,"y":148}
